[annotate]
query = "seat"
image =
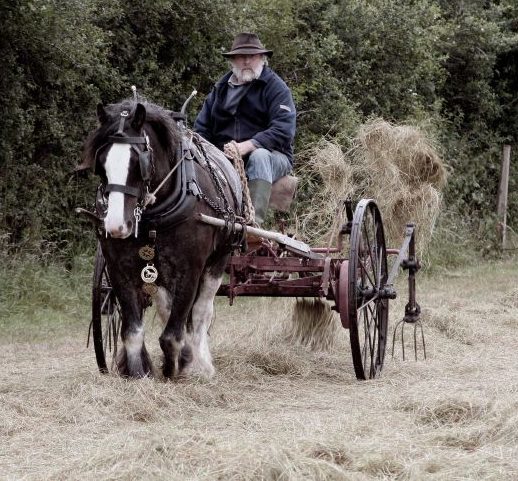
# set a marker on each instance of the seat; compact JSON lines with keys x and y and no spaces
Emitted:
{"x":283,"y":193}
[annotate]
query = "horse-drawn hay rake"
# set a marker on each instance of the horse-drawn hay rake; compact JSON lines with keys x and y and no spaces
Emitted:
{"x":359,"y":287}
{"x":354,"y":277}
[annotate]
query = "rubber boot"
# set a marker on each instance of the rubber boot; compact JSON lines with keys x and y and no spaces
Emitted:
{"x":260,"y":191}
{"x":260,"y":195}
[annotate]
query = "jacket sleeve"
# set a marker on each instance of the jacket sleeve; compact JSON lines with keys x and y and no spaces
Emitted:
{"x":203,"y":122}
{"x":282,"y":118}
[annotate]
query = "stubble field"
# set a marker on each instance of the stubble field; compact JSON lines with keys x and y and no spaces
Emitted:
{"x":276,"y":411}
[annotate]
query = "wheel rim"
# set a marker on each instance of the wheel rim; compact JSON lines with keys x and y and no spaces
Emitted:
{"x":106,"y":317}
{"x":368,"y":310}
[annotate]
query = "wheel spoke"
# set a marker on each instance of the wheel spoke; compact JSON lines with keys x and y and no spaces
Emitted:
{"x":364,"y":305}
{"x":370,"y":250}
{"x":364,"y":270}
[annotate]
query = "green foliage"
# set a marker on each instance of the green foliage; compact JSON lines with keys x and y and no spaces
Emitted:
{"x":450,"y":63}
{"x":52,"y":53}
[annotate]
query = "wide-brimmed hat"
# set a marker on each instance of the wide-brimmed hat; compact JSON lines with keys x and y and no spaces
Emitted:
{"x":247,"y":44}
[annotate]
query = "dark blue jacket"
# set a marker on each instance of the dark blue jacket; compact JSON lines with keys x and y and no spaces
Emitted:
{"x":265,"y":113}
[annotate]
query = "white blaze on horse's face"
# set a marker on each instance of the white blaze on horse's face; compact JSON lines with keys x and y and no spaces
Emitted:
{"x":117,"y":168}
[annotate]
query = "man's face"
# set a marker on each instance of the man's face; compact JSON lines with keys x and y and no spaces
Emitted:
{"x":247,"y":67}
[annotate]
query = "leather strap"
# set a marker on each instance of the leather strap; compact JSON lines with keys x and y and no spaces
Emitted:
{"x":116,"y":139}
{"x":124,"y":189}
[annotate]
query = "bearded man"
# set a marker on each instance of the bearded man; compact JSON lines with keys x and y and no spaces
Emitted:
{"x":252,"y":106}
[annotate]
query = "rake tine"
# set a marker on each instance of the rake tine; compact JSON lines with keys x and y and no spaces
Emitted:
{"x":400,"y":328}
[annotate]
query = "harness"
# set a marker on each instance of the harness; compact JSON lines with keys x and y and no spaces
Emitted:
{"x":146,"y":167}
{"x":183,"y":195}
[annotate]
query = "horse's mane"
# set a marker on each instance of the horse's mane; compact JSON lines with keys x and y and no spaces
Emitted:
{"x":157,"y":118}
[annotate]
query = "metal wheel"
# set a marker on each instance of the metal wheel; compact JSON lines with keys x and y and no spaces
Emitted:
{"x":106,"y":316}
{"x":367,"y":307}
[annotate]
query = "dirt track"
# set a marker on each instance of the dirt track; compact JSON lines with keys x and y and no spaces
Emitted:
{"x":276,"y":411}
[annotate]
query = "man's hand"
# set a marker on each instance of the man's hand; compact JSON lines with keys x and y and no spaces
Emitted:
{"x":245,"y":147}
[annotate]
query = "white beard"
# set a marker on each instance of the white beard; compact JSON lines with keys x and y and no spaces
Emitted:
{"x":246,"y":74}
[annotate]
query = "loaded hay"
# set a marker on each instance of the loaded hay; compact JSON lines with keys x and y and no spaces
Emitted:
{"x":397,"y":166}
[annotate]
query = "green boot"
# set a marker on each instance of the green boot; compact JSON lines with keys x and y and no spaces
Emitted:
{"x":260,"y":191}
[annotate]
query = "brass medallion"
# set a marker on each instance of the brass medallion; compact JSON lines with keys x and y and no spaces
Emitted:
{"x":146,"y":252}
{"x":149,"y":274}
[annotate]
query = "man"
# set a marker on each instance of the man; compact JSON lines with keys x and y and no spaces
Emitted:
{"x":253,"y":106}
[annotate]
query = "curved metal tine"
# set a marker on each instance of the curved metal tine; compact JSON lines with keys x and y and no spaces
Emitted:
{"x":400,"y":325}
{"x":422,"y":338}
{"x":415,"y":340}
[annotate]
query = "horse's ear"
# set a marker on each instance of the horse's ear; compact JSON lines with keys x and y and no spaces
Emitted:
{"x":139,"y":117}
{"x":101,"y":113}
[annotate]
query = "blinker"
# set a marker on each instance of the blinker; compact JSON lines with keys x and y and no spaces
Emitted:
{"x":145,"y":165}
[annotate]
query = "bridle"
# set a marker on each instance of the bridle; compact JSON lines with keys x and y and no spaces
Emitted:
{"x":144,"y":156}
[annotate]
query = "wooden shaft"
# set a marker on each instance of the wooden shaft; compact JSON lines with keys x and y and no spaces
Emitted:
{"x":271,"y":235}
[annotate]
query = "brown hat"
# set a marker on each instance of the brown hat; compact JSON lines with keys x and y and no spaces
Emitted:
{"x":247,"y":44}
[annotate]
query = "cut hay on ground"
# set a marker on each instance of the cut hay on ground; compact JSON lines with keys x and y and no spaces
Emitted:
{"x":275,"y":411}
{"x":396,"y":165}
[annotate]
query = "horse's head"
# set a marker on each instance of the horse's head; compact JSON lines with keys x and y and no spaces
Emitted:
{"x":125,"y":165}
{"x":132,"y":152}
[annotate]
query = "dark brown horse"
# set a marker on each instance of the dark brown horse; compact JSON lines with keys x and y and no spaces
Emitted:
{"x":156,"y":177}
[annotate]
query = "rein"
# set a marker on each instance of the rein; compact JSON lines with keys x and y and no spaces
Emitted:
{"x":232,"y":153}
{"x":151,"y":196}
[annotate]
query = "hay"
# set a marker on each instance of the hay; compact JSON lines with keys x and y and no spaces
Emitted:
{"x":396,"y":165}
{"x":326,"y":174}
{"x":313,"y":324}
{"x":274,"y":411}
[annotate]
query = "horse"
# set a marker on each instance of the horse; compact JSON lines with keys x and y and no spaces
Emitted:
{"x":156,"y":178}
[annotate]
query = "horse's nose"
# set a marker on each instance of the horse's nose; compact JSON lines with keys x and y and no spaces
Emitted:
{"x":120,"y":231}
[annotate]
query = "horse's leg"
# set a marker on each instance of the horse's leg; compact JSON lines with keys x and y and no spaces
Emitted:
{"x":162,"y":301}
{"x":172,"y":340}
{"x":133,"y":359}
{"x":202,"y":312}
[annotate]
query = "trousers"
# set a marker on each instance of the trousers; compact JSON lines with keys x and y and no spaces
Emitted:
{"x":265,"y":165}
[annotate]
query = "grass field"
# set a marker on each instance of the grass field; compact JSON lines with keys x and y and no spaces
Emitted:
{"x":274,"y":411}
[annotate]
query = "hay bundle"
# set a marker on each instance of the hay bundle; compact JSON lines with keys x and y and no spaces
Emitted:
{"x":328,"y":178}
{"x":396,"y":165}
{"x":399,"y":167}
{"x":313,"y":324}
{"x":410,"y":155}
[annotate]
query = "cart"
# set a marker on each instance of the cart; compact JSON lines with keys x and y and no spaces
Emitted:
{"x":359,"y":286}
